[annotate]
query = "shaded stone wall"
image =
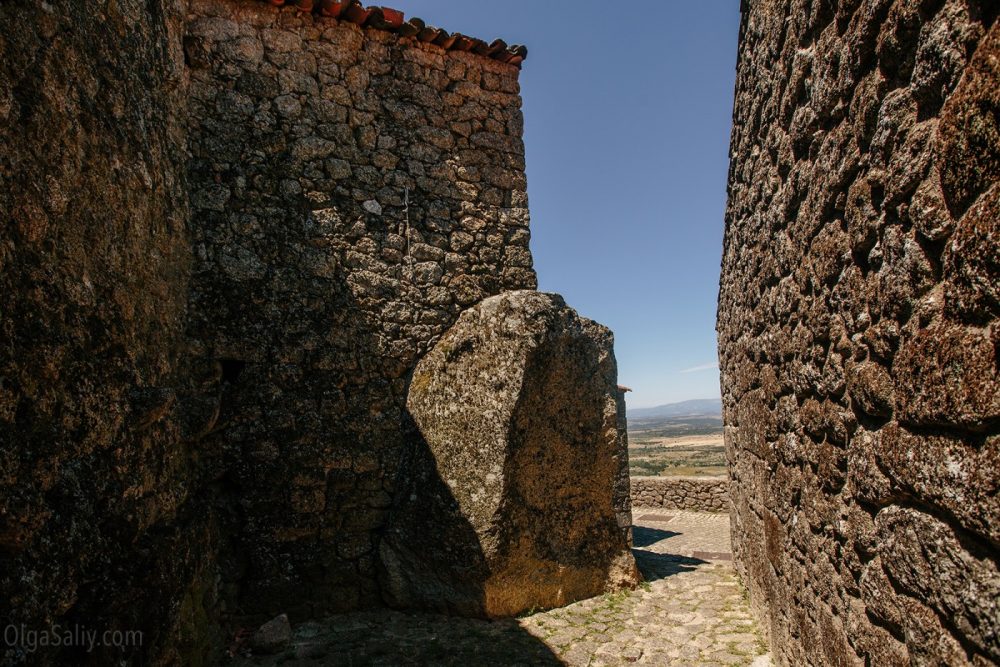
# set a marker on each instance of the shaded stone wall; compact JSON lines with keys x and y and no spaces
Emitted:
{"x":857,"y":329}
{"x":352,"y":193}
{"x":621,"y":491}
{"x":232,"y":234}
{"x":95,"y":509}
{"x":682,"y":493}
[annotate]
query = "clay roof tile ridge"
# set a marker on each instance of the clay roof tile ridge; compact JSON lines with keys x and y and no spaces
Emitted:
{"x":393,"y":20}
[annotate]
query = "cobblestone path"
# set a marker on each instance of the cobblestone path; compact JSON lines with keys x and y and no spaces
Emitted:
{"x":690,"y":611}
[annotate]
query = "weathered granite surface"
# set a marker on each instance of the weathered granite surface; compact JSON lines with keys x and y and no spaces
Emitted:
{"x":703,"y":494}
{"x":858,"y":329}
{"x":351,"y":193}
{"x":512,"y":502}
{"x":95,"y":506}
{"x":233,"y":231}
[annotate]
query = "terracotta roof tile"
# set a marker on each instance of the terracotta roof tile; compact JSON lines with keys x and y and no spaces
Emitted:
{"x":356,"y":13}
{"x":464,"y":43}
{"x":444,"y":40}
{"x":393,"y":20}
{"x":428,"y":34}
{"x":411,"y":27}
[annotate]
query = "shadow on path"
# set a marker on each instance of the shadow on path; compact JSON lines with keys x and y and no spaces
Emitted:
{"x":392,"y":638}
{"x":643,"y":536}
{"x":653,"y":564}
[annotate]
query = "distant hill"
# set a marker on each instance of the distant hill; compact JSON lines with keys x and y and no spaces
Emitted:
{"x":707,"y":407}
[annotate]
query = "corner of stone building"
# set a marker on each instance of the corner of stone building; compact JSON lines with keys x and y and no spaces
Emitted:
{"x":352,"y":192}
{"x":235,"y":229}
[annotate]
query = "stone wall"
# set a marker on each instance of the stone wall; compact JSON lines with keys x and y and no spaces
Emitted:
{"x":858,"y":332}
{"x":703,"y":494}
{"x":95,"y":508}
{"x":622,"y":491}
{"x":352,"y":193}
{"x":232,"y":235}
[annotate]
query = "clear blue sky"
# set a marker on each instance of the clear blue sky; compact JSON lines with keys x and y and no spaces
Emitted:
{"x":627,"y":111}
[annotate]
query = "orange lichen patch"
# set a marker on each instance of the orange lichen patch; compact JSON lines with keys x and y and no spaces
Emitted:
{"x":393,"y":20}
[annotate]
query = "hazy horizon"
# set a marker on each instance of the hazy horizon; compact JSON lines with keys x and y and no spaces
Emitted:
{"x":631,"y":407}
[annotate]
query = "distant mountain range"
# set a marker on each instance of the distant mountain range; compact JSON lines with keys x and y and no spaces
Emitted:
{"x":701,"y":407}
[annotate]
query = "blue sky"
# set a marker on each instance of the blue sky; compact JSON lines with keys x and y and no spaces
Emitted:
{"x":627,"y":111}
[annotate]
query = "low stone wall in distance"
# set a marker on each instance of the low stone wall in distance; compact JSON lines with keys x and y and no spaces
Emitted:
{"x":707,"y":494}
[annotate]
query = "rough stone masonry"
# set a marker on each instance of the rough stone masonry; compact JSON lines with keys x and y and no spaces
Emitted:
{"x":858,"y":329}
{"x":352,"y":193}
{"x":95,"y":478}
{"x":703,"y":494}
{"x":235,"y":229}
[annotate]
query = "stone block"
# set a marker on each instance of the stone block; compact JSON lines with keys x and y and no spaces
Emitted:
{"x":517,"y":456}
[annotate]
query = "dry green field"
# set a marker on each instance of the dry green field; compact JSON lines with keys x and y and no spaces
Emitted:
{"x":671,"y":449}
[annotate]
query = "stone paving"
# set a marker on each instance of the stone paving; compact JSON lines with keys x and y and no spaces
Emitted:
{"x":691,"y":610}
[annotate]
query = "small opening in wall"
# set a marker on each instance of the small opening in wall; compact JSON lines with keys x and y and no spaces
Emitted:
{"x":232,"y":369}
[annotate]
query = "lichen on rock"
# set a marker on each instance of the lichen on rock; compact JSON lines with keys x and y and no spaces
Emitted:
{"x":516,"y":454}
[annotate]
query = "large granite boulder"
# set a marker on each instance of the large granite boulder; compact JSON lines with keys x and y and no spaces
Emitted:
{"x":515,"y":465}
